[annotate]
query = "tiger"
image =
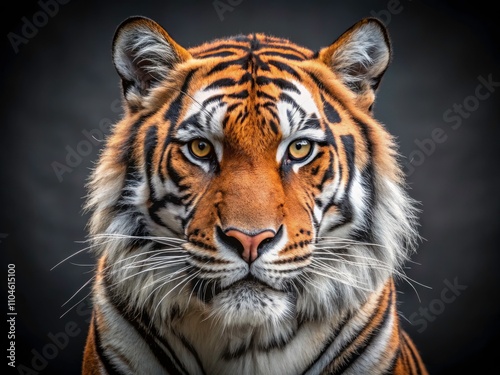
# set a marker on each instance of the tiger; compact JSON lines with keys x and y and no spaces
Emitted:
{"x":248,"y":213}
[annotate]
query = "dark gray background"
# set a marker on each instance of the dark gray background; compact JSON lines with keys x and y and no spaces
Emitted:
{"x":62,"y":82}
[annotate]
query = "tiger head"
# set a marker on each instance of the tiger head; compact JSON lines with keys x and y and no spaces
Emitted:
{"x":248,"y":181}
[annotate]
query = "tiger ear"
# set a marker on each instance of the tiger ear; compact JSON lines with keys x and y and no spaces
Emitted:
{"x":144,"y":55}
{"x":360,"y":57}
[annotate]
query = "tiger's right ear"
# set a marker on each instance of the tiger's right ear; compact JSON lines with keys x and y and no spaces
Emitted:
{"x":144,"y":55}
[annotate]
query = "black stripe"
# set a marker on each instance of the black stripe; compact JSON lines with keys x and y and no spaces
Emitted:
{"x":185,"y":221}
{"x":280,"y":82}
{"x":153,"y":213}
{"x":329,"y":342}
{"x":150,"y":142}
{"x":332,"y":115}
{"x":173,"y":174}
{"x":126,"y":155}
{"x":192,"y":351}
{"x":274,"y":126}
{"x":365,"y":130}
{"x":169,"y":198}
{"x":328,"y":172}
{"x":271,"y":108}
{"x":172,"y":115}
{"x":283,"y":45}
{"x":355,"y":354}
{"x":330,"y":138}
{"x":245,"y":78}
{"x":225,"y":46}
{"x":284,"y":97}
{"x":192,"y":121}
{"x":229,"y":109}
{"x":142,"y":325}
{"x":217,"y":54}
{"x":318,"y":82}
{"x":284,"y":68}
{"x":365,"y":233}
{"x":311,"y":123}
{"x":242,"y":61}
{"x":345,"y":205}
{"x":212,"y":99}
{"x":349,"y":150}
{"x":287,"y":56}
{"x":261,"y":94}
{"x":297,"y":110}
{"x":239,"y":95}
{"x":106,"y":363}
{"x":223,"y":82}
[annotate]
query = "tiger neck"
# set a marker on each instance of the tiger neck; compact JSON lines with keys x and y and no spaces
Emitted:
{"x":324,"y":345}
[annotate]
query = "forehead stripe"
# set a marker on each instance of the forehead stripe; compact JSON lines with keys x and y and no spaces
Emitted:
{"x":226,"y":64}
{"x":287,"y":56}
{"x":224,"y":82}
{"x":284,"y":68}
{"x":281,"y":83}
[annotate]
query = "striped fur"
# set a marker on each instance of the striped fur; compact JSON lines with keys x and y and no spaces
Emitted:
{"x":248,"y":212}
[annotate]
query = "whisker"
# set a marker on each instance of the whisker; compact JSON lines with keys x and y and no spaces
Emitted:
{"x":76,"y":304}
{"x":339,"y":280}
{"x":78,"y":291}
{"x":144,"y":271}
{"x":328,"y":268}
{"x":185,"y":281}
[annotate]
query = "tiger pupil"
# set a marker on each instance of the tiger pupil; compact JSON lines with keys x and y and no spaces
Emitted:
{"x":200,"y":148}
{"x":300,"y":149}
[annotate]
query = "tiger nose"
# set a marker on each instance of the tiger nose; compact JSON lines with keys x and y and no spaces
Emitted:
{"x":249,"y":243}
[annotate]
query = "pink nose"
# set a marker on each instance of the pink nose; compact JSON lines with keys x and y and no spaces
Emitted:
{"x":250,"y":243}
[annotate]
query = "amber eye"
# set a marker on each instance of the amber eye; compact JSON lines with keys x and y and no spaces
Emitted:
{"x":299,"y":149}
{"x":200,"y":148}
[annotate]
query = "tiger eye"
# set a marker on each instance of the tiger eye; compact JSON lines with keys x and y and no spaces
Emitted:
{"x":200,"y":148}
{"x":300,"y":149}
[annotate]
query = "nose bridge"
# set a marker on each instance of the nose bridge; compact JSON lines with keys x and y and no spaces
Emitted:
{"x":253,"y":195}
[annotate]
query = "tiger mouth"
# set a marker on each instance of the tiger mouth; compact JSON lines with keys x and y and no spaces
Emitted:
{"x":206,"y":290}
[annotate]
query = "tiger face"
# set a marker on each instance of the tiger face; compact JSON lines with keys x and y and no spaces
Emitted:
{"x":248,"y":183}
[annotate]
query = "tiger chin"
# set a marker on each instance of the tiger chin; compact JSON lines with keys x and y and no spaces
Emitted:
{"x":249,"y":215}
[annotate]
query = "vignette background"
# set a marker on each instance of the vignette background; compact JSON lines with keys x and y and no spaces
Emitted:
{"x":59,"y":87}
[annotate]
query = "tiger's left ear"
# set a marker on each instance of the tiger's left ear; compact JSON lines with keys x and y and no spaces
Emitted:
{"x":360,"y":58}
{"x":144,"y":55}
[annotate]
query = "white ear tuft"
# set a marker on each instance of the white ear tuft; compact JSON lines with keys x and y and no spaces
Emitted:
{"x":360,"y":56}
{"x":144,"y":55}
